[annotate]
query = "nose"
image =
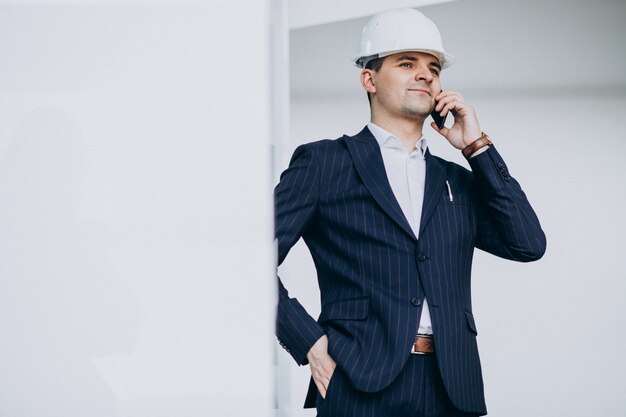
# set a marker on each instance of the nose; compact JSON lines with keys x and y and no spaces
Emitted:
{"x":423,"y":74}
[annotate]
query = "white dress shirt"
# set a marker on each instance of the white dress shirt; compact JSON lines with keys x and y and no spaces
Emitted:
{"x":407,"y":176}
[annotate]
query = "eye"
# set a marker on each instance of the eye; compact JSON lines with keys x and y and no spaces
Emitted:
{"x":434,"y":71}
{"x":406,"y":65}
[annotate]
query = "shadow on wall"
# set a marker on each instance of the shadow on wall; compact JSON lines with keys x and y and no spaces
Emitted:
{"x":61,"y":303}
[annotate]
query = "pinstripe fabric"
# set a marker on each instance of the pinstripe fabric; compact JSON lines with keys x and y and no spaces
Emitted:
{"x":417,"y":392}
{"x":335,"y":195}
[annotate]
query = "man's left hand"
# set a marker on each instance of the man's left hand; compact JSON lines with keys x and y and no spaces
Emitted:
{"x":465,"y":129}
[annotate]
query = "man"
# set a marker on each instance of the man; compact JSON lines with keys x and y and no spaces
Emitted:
{"x":392,"y":230}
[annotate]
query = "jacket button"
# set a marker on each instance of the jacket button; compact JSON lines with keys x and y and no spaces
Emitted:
{"x":421,"y":257}
{"x":416,"y":301}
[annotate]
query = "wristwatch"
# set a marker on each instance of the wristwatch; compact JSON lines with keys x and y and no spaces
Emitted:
{"x":481,"y":142}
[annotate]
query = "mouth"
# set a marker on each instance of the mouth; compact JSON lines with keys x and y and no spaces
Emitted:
{"x":420,"y":90}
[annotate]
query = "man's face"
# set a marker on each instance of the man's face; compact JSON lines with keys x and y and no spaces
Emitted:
{"x":406,"y":85}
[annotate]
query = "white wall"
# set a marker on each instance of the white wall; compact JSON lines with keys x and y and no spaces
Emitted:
{"x":550,"y":332}
{"x":135,"y":210}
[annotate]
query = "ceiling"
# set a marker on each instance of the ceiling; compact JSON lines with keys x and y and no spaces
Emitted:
{"x":500,"y":46}
{"x":304,"y":13}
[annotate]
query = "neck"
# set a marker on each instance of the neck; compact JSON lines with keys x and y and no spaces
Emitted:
{"x":409,"y":131}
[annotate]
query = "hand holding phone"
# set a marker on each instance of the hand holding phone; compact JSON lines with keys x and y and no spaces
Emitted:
{"x":465,"y":128}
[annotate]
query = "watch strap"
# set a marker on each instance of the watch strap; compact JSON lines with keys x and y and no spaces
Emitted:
{"x":481,"y":142}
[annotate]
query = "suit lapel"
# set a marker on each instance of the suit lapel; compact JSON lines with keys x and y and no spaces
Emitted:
{"x":369,"y":164}
{"x":435,"y":183}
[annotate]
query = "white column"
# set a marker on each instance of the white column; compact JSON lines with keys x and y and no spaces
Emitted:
{"x":136,"y":255}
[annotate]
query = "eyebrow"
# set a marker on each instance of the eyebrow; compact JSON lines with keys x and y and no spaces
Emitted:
{"x":412,"y":58}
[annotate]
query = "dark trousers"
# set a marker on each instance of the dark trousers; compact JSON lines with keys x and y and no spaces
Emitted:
{"x":417,"y":392}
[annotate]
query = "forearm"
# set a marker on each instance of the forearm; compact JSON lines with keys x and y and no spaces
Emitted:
{"x":507,"y":224}
{"x":296,"y":330}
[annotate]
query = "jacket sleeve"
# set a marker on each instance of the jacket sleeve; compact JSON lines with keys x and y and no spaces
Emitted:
{"x":295,"y":200}
{"x":507,"y":225}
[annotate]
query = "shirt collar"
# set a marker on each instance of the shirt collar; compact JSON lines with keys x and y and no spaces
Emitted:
{"x":383,"y":137}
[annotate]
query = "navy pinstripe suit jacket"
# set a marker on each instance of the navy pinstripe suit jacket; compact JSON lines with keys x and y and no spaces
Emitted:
{"x":373,"y":272}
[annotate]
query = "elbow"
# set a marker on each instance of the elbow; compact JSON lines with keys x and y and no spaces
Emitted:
{"x":536,"y":249}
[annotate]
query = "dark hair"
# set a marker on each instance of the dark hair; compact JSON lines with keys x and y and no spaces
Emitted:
{"x":375,"y":65}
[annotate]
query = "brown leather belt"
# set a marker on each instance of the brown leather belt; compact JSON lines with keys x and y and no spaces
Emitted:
{"x":424,"y":344}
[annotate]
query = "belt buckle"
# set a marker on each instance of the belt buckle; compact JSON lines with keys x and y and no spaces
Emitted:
{"x":427,"y":346}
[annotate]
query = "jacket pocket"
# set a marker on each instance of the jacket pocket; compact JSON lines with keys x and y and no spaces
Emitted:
{"x":354,"y":309}
{"x":470,"y":322}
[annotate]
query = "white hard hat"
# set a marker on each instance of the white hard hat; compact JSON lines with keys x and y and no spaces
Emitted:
{"x":400,"y":30}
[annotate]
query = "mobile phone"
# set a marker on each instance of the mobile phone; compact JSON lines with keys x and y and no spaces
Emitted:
{"x":439,"y":120}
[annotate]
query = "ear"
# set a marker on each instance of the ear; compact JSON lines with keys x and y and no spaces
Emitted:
{"x":367,"y":80}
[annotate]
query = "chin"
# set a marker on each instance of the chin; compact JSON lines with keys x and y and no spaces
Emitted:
{"x":415,"y":112}
{"x":421,"y":108}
